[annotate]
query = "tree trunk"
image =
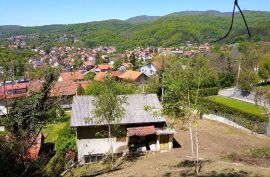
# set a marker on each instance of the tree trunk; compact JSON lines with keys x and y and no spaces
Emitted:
{"x":197,"y":150}
{"x":111,"y":146}
{"x":191,"y":139}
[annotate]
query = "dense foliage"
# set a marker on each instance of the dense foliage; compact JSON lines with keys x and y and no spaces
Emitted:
{"x":245,"y":114}
{"x":15,"y":62}
{"x":96,"y":88}
{"x":25,"y":120}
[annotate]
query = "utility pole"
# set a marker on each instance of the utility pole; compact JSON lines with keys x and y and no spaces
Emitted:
{"x":162,"y":82}
{"x":234,"y":52}
{"x":5,"y":96}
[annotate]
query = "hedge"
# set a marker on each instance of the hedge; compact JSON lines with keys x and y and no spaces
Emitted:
{"x":249,"y":120}
{"x":209,"y":91}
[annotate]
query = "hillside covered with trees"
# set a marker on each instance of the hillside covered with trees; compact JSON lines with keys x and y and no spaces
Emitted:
{"x":167,"y":31}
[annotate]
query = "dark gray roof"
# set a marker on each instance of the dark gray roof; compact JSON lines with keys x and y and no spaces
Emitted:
{"x":82,"y":108}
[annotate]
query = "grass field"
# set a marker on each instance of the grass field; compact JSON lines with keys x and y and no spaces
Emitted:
{"x":239,"y":105}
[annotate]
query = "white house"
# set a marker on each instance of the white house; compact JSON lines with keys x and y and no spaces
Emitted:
{"x":148,"y":70}
{"x":140,"y":129}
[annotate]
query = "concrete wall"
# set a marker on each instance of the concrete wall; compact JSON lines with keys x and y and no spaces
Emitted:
{"x":268,"y":128}
{"x":170,"y":141}
{"x":98,"y":146}
{"x":225,"y":121}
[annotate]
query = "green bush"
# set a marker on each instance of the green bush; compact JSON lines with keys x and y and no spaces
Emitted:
{"x":209,"y":91}
{"x":252,"y":121}
{"x":66,"y":141}
{"x":119,"y":88}
{"x":89,"y":76}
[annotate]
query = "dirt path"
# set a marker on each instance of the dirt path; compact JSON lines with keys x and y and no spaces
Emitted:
{"x":216,"y":141}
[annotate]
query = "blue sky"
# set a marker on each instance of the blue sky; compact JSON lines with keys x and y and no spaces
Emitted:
{"x":44,"y":12}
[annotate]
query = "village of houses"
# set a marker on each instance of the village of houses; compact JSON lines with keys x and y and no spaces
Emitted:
{"x":143,"y":129}
{"x":144,"y":132}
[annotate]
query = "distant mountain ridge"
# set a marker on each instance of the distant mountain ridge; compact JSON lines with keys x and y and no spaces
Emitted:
{"x":170,"y":30}
{"x":142,"y":19}
{"x":146,"y":18}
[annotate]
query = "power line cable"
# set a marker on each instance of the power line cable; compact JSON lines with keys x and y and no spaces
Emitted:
{"x":232,"y":22}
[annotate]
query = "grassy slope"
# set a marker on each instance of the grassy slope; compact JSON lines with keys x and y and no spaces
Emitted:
{"x":53,"y":129}
{"x":240,"y":105}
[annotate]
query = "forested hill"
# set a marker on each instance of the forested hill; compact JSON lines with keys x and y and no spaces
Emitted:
{"x":170,"y":30}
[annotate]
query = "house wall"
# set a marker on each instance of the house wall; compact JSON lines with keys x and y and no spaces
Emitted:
{"x":92,"y":132}
{"x":170,"y":143}
{"x":89,"y":142}
{"x":98,"y":146}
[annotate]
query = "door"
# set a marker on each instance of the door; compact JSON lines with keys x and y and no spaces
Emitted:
{"x":164,"y":141}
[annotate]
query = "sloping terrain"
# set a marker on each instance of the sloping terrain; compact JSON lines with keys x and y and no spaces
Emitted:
{"x":217,"y":141}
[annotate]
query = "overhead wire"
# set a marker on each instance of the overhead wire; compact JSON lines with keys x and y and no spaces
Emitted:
{"x":232,"y":22}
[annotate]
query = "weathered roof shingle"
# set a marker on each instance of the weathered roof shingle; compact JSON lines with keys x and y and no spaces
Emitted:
{"x":83,"y":106}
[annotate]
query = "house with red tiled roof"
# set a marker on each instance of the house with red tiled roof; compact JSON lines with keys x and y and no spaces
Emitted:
{"x":71,"y":76}
{"x":64,"y":90}
{"x":88,"y":65}
{"x":101,"y":75}
{"x":104,"y":67}
{"x":11,"y":91}
{"x":135,"y":76}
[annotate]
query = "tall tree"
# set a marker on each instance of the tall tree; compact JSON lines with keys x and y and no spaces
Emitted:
{"x":264,"y":69}
{"x":182,"y":95}
{"x":25,"y":120}
{"x":109,"y":110}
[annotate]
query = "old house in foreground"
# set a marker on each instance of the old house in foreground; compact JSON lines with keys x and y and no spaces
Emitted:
{"x":140,"y":128}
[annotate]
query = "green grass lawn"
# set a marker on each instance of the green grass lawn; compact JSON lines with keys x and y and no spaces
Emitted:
{"x":239,"y":105}
{"x":265,"y":86}
{"x":53,"y":129}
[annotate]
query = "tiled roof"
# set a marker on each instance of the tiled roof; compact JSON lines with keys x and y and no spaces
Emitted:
{"x":87,"y":63}
{"x":72,"y":76}
{"x":141,"y":131}
{"x":59,"y":88}
{"x":101,"y":75}
{"x":105,"y":67}
{"x":82,"y":108}
{"x":130,"y":75}
{"x":63,"y":89}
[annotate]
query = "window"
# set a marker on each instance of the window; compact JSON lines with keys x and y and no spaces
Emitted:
{"x":93,"y":158}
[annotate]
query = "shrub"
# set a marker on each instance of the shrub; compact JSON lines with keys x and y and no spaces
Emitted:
{"x":89,"y":76}
{"x":246,"y":119}
{"x":66,"y":141}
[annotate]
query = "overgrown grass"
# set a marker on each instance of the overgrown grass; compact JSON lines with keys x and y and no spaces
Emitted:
{"x":239,"y":105}
{"x":52,"y":129}
{"x":261,"y":153}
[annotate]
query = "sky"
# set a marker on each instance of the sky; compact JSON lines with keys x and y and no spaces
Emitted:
{"x":45,"y":12}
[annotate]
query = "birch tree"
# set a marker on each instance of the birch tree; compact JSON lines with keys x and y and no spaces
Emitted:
{"x":181,"y":98}
{"x":109,"y":110}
